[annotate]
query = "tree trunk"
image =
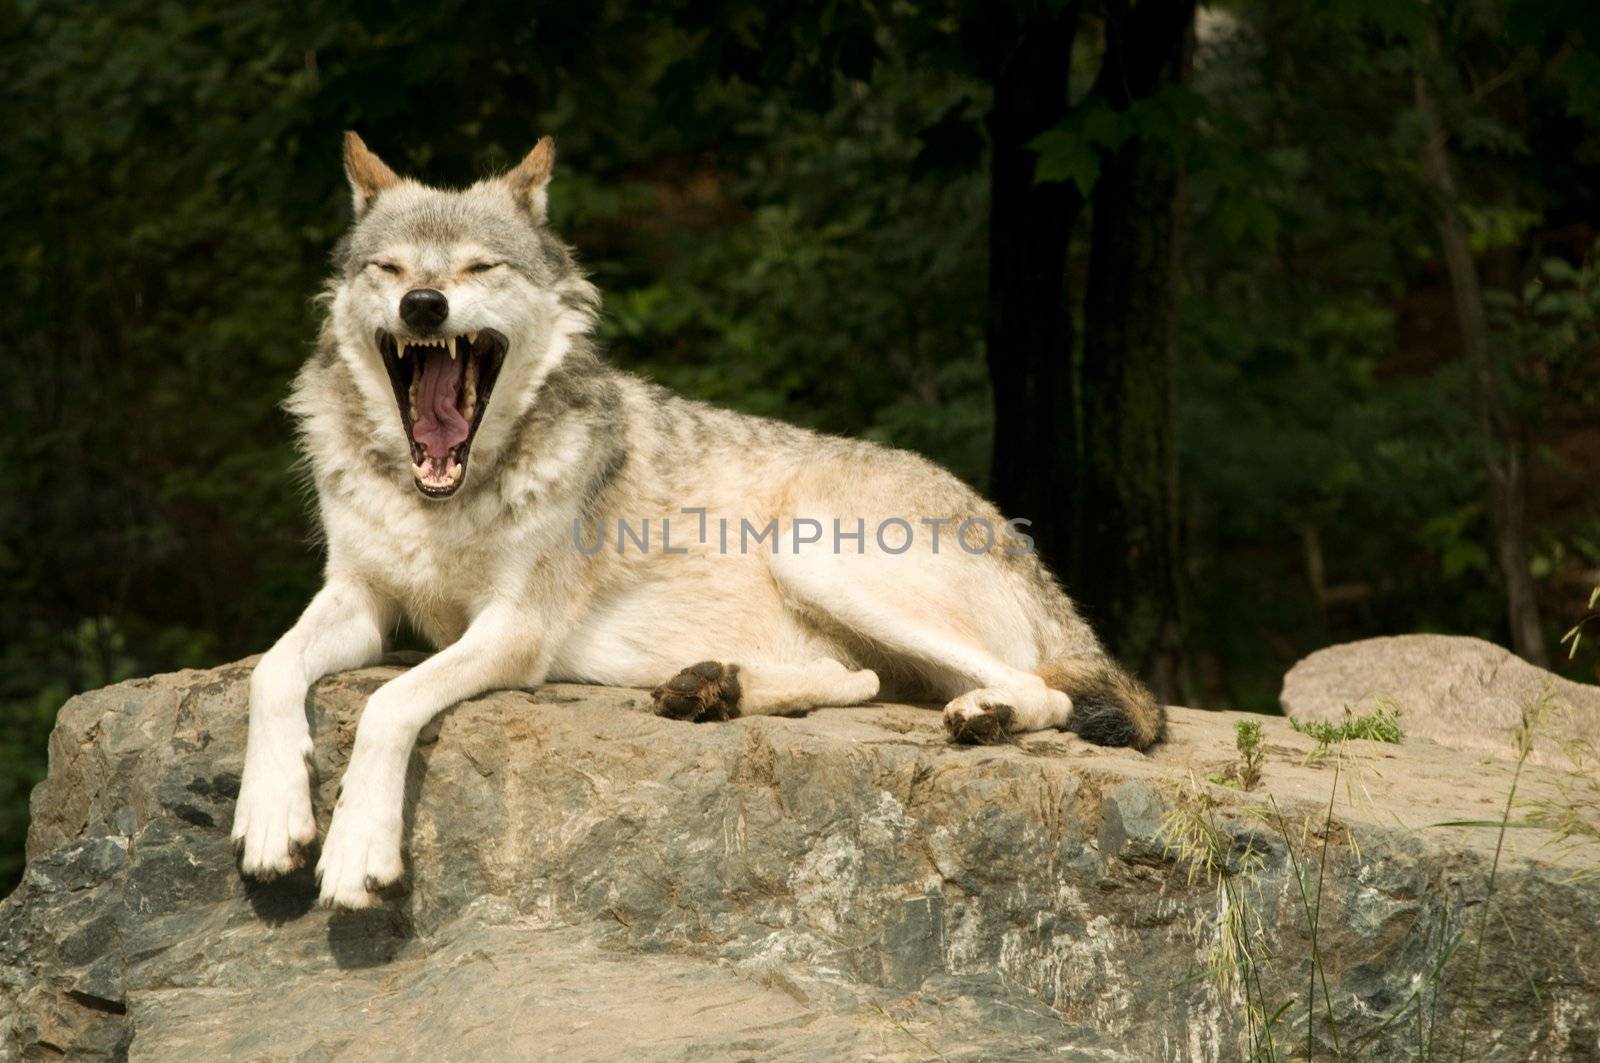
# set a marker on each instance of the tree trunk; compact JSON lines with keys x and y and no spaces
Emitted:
{"x":1502,"y":453}
{"x":1130,"y":577}
{"x":1029,"y":329}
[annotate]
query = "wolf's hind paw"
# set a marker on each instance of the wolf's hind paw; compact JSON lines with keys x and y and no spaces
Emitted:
{"x":701,"y":693}
{"x":978,"y":723}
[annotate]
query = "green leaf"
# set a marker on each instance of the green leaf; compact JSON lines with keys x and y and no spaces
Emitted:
{"x":1495,"y":824}
{"x":1064,"y":156}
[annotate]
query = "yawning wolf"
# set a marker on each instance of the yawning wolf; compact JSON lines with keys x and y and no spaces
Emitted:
{"x":469,"y":449}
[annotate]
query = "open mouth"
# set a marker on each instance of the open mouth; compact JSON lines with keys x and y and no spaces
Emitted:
{"x":442,"y":386}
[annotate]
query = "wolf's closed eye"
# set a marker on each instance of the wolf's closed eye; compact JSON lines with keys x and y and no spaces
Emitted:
{"x":387,"y":267}
{"x":482,"y":267}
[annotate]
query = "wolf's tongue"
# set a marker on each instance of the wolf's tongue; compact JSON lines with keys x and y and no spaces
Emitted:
{"x":439,"y":426}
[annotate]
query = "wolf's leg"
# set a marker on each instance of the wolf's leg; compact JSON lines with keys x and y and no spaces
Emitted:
{"x":902,"y":606}
{"x":712,"y":690}
{"x":342,"y":628}
{"x":501,"y":648}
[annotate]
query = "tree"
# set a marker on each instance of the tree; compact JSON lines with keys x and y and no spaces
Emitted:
{"x":1088,"y":451}
{"x":1499,"y":437}
{"x":1130,"y":577}
{"x":1033,"y":470}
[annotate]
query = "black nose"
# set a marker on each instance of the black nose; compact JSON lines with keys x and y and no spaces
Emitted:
{"x":424,"y":308}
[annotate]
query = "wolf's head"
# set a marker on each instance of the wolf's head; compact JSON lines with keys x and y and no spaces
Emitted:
{"x":451,"y":308}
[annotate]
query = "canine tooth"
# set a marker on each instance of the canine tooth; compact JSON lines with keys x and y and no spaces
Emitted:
{"x":472,"y":339}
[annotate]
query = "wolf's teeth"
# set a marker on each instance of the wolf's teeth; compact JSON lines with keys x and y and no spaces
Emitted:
{"x":419,"y":470}
{"x":472,"y":339}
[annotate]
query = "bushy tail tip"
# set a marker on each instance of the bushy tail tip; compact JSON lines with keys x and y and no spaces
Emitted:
{"x":1109,"y":706}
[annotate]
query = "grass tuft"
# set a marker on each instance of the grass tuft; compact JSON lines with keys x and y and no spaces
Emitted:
{"x":1382,"y":724}
{"x":1234,"y":962}
{"x":1576,"y":634}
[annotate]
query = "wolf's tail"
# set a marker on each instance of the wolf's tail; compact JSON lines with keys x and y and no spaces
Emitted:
{"x":1109,"y":706}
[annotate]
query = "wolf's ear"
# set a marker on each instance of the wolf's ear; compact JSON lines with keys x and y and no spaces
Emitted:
{"x":527,"y":182}
{"x":368,"y":174}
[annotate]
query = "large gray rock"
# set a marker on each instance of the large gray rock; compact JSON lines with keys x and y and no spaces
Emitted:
{"x":591,"y":882}
{"x":1461,"y":692}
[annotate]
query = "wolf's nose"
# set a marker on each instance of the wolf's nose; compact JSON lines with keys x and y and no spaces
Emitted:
{"x":424,"y":308}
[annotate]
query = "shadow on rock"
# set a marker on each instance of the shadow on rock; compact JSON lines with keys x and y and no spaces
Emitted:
{"x":287,"y":897}
{"x":369,"y":938}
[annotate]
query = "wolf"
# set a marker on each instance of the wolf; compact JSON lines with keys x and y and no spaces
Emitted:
{"x":468,"y":447}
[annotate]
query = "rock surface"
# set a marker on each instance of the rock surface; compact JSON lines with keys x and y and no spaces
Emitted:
{"x":1461,"y":692}
{"x":588,"y":881}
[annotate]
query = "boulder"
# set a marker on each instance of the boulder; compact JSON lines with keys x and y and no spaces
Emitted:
{"x":1464,"y":693}
{"x":589,"y":881}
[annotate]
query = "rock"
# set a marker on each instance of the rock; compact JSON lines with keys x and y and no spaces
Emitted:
{"x":589,"y":881}
{"x":1464,"y":693}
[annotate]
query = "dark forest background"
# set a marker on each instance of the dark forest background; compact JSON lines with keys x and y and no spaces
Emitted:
{"x":1278,"y":318}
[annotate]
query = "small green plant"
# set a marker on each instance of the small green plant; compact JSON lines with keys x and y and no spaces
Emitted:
{"x":1382,"y":724}
{"x":1245,"y":773}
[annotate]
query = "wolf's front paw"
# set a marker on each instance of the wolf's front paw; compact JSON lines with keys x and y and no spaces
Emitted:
{"x":701,"y":692}
{"x":360,"y":855}
{"x":272,"y":820}
{"x":975,"y":720}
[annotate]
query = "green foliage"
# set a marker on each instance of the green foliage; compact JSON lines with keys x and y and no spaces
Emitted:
{"x":1072,"y":151}
{"x":1245,"y":773}
{"x":1382,"y":724}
